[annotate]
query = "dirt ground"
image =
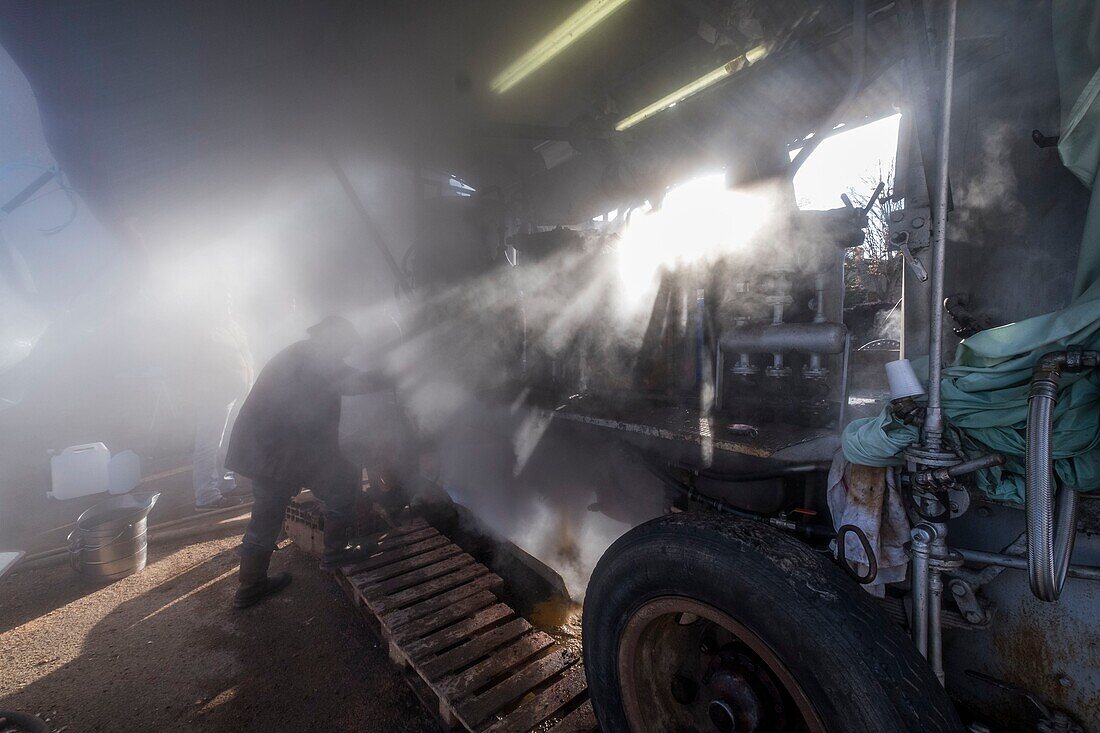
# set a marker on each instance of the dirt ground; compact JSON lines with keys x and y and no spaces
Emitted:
{"x":163,"y":650}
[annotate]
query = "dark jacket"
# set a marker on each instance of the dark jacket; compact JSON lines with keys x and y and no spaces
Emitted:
{"x":288,"y":428}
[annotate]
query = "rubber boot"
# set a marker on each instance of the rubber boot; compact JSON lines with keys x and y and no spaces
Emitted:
{"x":350,"y":554}
{"x":339,"y":551}
{"x":256,"y":584}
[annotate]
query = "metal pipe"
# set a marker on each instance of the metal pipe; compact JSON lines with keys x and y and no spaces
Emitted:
{"x":822,"y":338}
{"x":1082,"y":572}
{"x":922,"y":536}
{"x":32,"y":188}
{"x":845,"y":382}
{"x":944,"y":475}
{"x":719,"y":377}
{"x":815,"y":370}
{"x":778,"y":472}
{"x":933,"y":421}
{"x":819,"y":298}
{"x":935,"y":629}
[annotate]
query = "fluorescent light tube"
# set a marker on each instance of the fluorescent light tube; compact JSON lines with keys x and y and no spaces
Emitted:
{"x":576,"y":25}
{"x":748,"y":58}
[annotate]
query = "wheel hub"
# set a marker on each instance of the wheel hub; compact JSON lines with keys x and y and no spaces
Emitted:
{"x":723,"y":716}
{"x":734,"y":705}
{"x":686,"y":666}
{"x":744,"y":696}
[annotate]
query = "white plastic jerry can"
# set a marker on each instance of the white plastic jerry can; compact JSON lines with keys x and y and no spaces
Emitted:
{"x":80,"y":470}
{"x":124,"y":471}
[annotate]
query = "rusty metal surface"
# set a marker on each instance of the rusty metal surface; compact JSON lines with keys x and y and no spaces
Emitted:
{"x":686,"y":425}
{"x":1050,"y":649}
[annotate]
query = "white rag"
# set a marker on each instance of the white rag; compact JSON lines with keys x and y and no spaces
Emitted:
{"x":867,"y":497}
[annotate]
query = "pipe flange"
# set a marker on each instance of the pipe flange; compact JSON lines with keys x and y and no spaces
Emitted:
{"x":944,"y":559}
{"x":931,"y":457}
{"x":744,"y":370}
{"x":777,"y":372}
{"x":809,"y":373}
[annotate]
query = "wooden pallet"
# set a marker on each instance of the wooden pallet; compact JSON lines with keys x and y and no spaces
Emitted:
{"x":438,"y":612}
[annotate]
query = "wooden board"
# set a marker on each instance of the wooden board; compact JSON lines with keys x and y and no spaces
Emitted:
{"x":438,"y":612}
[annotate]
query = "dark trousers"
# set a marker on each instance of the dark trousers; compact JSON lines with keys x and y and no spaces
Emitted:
{"x":271,"y":498}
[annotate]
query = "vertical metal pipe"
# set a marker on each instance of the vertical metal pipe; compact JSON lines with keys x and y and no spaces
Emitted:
{"x":933,"y":424}
{"x":819,"y":298}
{"x":845,"y":386}
{"x":922,"y":536}
{"x":819,"y":317}
{"x":719,"y":376}
{"x":935,"y":630}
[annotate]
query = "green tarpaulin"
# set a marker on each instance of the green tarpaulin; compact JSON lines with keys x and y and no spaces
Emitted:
{"x":985,"y":388}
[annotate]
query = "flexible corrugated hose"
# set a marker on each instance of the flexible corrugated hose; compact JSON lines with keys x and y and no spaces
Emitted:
{"x":1051,"y":525}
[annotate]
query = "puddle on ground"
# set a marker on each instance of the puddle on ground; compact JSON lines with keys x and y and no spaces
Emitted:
{"x":561,"y":619}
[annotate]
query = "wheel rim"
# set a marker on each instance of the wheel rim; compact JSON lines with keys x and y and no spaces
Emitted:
{"x":686,"y":666}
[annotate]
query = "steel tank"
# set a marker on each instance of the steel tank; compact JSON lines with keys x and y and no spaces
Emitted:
{"x":110,"y":540}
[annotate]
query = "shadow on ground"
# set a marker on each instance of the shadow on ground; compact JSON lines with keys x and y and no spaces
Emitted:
{"x":164,"y":650}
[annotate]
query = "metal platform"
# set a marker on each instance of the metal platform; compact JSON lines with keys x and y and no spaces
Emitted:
{"x":685,"y":425}
{"x":463,"y":651}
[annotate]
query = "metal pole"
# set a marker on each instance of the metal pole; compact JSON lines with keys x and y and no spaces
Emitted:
{"x":845,"y":386}
{"x":368,"y":220}
{"x":32,"y":188}
{"x":934,"y":424}
{"x":935,"y":630}
{"x":922,"y":537}
{"x":935,"y":651}
{"x":999,"y":559}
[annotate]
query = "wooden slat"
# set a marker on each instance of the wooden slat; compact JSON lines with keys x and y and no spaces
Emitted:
{"x":472,"y":650}
{"x":387,"y":556}
{"x":419,"y":577}
{"x":405,"y":565}
{"x":455,"y":633}
{"x":581,"y":720}
{"x":438,"y":612}
{"x":398,"y":619}
{"x":415,"y":525}
{"x":427,"y":590}
{"x":481,"y":707}
{"x":444,"y":617}
{"x":419,"y":535}
{"x":545,"y":704}
{"x":479,"y":675}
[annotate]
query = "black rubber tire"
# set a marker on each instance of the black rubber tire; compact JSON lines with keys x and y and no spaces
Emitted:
{"x":22,"y":722}
{"x":860,"y":672}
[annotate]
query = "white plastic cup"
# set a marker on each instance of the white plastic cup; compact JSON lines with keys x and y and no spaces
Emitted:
{"x":903,"y":380}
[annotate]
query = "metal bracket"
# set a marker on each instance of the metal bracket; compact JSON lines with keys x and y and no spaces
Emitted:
{"x":966,"y":598}
{"x":911,"y":226}
{"x":910,"y":232}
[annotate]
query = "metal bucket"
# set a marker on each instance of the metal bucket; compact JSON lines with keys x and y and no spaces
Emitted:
{"x":109,"y":541}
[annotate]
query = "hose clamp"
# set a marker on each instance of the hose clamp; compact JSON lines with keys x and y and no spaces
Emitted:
{"x":1075,"y":357}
